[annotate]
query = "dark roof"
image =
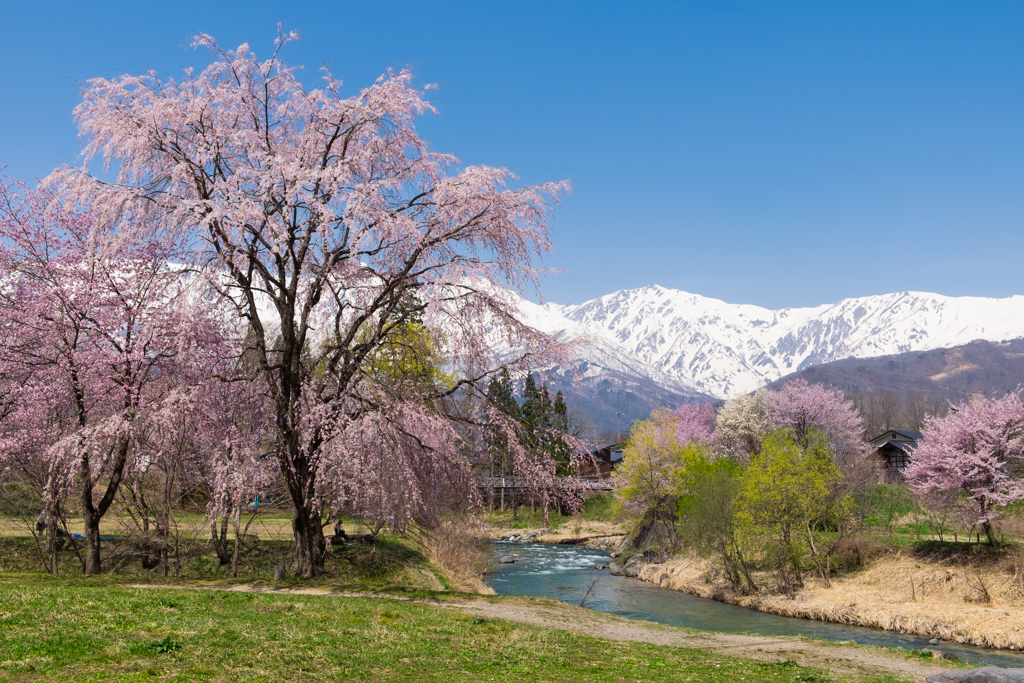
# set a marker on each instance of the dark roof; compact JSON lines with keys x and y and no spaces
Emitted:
{"x":896,"y":436}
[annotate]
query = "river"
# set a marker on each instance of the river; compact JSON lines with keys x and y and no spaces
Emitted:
{"x":565,"y":572}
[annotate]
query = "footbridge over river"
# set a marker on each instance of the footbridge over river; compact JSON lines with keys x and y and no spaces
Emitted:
{"x":524,"y":485}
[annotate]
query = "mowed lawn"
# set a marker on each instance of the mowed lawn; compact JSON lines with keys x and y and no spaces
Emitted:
{"x":89,"y":633}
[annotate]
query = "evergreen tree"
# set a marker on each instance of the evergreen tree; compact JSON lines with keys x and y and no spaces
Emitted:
{"x":560,"y":449}
{"x":501,"y":396}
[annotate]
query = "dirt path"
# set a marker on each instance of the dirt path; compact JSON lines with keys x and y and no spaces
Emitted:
{"x":840,"y":659}
{"x":844,"y":660}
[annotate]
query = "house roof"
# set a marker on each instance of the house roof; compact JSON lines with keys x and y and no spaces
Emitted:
{"x":896,"y":437}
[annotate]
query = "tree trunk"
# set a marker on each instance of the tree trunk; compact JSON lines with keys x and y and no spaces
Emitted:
{"x":92,"y":512}
{"x":990,"y":532}
{"x":310,"y":544}
{"x":238,"y":546}
{"x":219,"y":541}
{"x":93,"y":562}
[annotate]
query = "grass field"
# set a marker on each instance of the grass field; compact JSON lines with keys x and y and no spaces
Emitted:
{"x":79,"y":632}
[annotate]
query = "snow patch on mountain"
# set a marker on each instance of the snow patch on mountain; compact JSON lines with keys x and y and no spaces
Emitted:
{"x":692,"y":345}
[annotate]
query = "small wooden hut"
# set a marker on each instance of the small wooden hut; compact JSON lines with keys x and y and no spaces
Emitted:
{"x":892,"y":451}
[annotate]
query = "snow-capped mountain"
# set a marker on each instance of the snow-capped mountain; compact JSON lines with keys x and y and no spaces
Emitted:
{"x":689,"y":345}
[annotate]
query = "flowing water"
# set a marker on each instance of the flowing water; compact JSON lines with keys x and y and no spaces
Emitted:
{"x":565,"y":572}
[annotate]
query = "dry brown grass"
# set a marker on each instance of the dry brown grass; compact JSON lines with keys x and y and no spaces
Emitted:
{"x":454,"y":545}
{"x":958,"y":602}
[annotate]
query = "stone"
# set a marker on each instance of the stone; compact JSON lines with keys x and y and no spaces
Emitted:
{"x":624,"y":545}
{"x":506,"y":559}
{"x":615,"y":568}
{"x":986,"y":674}
{"x":933,"y":641}
{"x":654,"y":557}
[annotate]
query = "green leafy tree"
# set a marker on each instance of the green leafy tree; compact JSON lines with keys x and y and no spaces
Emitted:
{"x":408,"y":361}
{"x":784,"y":489}
{"x":707,"y":513}
{"x":649,"y":481}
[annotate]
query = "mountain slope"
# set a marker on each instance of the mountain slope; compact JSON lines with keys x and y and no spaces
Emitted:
{"x":954,"y":374}
{"x":691,"y":346}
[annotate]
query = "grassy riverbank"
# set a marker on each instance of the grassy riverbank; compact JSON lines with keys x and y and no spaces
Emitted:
{"x":73,"y":631}
{"x":893,"y":576}
{"x":953,"y":599}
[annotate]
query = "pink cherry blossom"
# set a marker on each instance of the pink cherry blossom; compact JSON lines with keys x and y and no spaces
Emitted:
{"x":973,"y":452}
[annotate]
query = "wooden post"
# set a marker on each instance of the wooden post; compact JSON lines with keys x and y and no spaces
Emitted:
{"x":280,"y":573}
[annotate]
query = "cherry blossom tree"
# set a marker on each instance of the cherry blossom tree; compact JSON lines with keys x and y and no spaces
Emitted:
{"x":973,"y":453}
{"x":33,"y":414}
{"x":694,"y":422}
{"x":741,"y":425}
{"x":330,"y":226}
{"x":102,"y":329}
{"x":800,"y":406}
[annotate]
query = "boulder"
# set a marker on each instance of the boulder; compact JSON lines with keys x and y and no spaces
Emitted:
{"x":506,"y":559}
{"x":615,"y":568}
{"x":986,"y":674}
{"x":624,"y":545}
{"x":653,"y":557}
{"x":633,"y":566}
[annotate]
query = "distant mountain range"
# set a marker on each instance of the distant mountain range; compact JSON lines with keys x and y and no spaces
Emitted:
{"x":653,"y":345}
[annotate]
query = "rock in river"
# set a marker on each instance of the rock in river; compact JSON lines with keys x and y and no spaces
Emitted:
{"x":506,"y":559}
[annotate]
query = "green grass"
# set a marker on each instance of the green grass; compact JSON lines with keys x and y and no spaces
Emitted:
{"x":92,"y":633}
{"x":391,"y":565}
{"x":597,"y":508}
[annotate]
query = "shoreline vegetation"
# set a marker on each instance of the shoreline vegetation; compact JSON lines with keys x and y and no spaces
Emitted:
{"x":956,"y":592}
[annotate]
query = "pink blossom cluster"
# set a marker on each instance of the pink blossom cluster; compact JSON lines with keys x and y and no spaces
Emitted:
{"x":974,"y":453}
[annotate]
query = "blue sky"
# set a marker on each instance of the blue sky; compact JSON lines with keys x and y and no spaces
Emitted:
{"x":780,"y":154}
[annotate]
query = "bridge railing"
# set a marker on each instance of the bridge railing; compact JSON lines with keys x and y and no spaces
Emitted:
{"x":521,"y":483}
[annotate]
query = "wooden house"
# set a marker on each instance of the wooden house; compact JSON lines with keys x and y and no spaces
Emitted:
{"x":892,"y":452}
{"x":606,"y":459}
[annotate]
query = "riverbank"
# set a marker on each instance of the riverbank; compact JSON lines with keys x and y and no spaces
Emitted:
{"x":980,"y":606}
{"x":951,"y":598}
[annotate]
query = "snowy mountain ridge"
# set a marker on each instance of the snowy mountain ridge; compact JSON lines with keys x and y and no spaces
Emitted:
{"x":694,"y":345}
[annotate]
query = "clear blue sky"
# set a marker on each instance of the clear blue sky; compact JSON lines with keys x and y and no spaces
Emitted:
{"x":777,"y":153}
